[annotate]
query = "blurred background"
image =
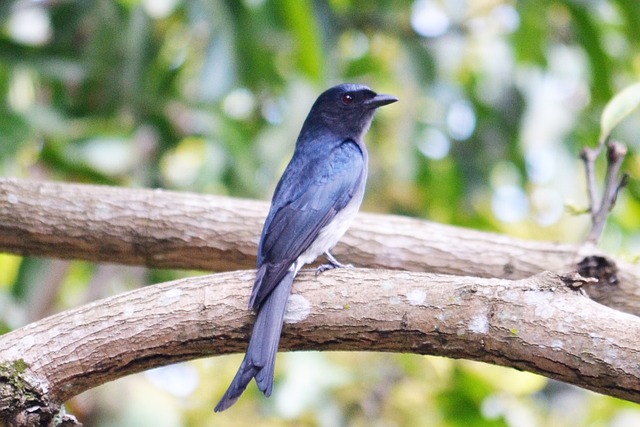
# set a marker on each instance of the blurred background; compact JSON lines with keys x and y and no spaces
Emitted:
{"x":207,"y":96}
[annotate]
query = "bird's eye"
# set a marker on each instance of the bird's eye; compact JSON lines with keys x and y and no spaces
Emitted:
{"x":347,"y":99}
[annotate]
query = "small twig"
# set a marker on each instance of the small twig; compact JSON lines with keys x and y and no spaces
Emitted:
{"x":616,"y":153}
{"x":589,"y":156}
{"x":575,"y":280}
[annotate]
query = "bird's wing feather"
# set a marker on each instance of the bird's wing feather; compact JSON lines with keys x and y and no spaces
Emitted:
{"x":307,"y":198}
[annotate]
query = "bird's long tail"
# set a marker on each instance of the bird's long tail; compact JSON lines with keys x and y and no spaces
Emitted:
{"x":260,"y":360}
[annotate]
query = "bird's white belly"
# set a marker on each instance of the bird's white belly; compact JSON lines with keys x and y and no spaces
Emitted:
{"x":330,"y":234}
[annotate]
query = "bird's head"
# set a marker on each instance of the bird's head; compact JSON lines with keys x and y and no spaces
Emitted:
{"x":346,"y":110}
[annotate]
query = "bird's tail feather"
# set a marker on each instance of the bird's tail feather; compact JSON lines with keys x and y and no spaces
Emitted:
{"x":260,"y":360}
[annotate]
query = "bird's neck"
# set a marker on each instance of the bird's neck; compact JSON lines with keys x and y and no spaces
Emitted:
{"x":328,"y":129}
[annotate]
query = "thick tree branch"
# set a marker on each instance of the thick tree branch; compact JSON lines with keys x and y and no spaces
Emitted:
{"x":535,"y":324}
{"x":176,"y":230}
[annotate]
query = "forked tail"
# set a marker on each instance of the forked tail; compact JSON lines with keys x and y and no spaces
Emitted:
{"x":260,"y":360}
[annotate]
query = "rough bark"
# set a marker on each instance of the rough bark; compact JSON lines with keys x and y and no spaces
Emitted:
{"x":177,"y":230}
{"x":535,"y":324}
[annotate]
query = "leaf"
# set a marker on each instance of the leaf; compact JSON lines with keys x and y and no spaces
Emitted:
{"x":589,"y":33}
{"x":618,"y":109}
{"x":300,"y":20}
{"x":15,"y":133}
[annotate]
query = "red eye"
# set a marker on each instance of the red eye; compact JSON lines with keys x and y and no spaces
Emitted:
{"x":347,"y":99}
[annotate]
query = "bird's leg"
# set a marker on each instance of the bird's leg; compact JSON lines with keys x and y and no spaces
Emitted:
{"x":333,"y":263}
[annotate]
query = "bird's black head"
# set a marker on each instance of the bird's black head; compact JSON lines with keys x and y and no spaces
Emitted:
{"x":346,"y":110}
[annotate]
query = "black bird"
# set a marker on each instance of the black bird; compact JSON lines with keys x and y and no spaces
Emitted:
{"x":314,"y":203}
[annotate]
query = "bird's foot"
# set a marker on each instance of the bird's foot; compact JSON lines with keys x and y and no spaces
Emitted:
{"x":333,"y":263}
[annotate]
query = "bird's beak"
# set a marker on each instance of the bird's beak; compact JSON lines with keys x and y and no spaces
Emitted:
{"x":380,"y":100}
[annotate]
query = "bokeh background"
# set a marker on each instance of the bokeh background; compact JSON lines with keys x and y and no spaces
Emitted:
{"x":497,"y":99}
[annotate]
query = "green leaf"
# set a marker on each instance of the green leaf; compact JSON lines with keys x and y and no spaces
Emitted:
{"x":300,"y":20}
{"x":15,"y":132}
{"x":589,"y":34}
{"x":623,"y":104}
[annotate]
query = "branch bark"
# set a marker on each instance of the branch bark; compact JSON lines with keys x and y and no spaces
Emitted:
{"x":166,"y":229}
{"x":535,"y":324}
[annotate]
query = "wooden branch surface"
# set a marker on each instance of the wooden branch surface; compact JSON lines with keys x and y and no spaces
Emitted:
{"x":535,"y":324}
{"x":166,"y":229}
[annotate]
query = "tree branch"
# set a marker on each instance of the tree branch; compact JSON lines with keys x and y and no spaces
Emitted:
{"x":535,"y":324}
{"x":177,"y":230}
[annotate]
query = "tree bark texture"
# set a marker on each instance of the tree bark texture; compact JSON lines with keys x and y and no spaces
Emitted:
{"x":535,"y":324}
{"x":167,"y":229}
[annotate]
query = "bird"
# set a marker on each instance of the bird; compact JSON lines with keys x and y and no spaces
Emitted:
{"x":314,"y":203}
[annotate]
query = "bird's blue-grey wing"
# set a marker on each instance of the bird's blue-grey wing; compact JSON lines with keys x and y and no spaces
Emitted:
{"x":314,"y":191}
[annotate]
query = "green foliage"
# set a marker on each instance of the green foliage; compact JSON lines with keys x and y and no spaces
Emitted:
{"x":616,"y":110}
{"x":461,"y":402}
{"x":496,"y":100}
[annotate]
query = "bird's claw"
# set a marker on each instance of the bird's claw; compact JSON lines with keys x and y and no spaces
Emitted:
{"x":324,"y":267}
